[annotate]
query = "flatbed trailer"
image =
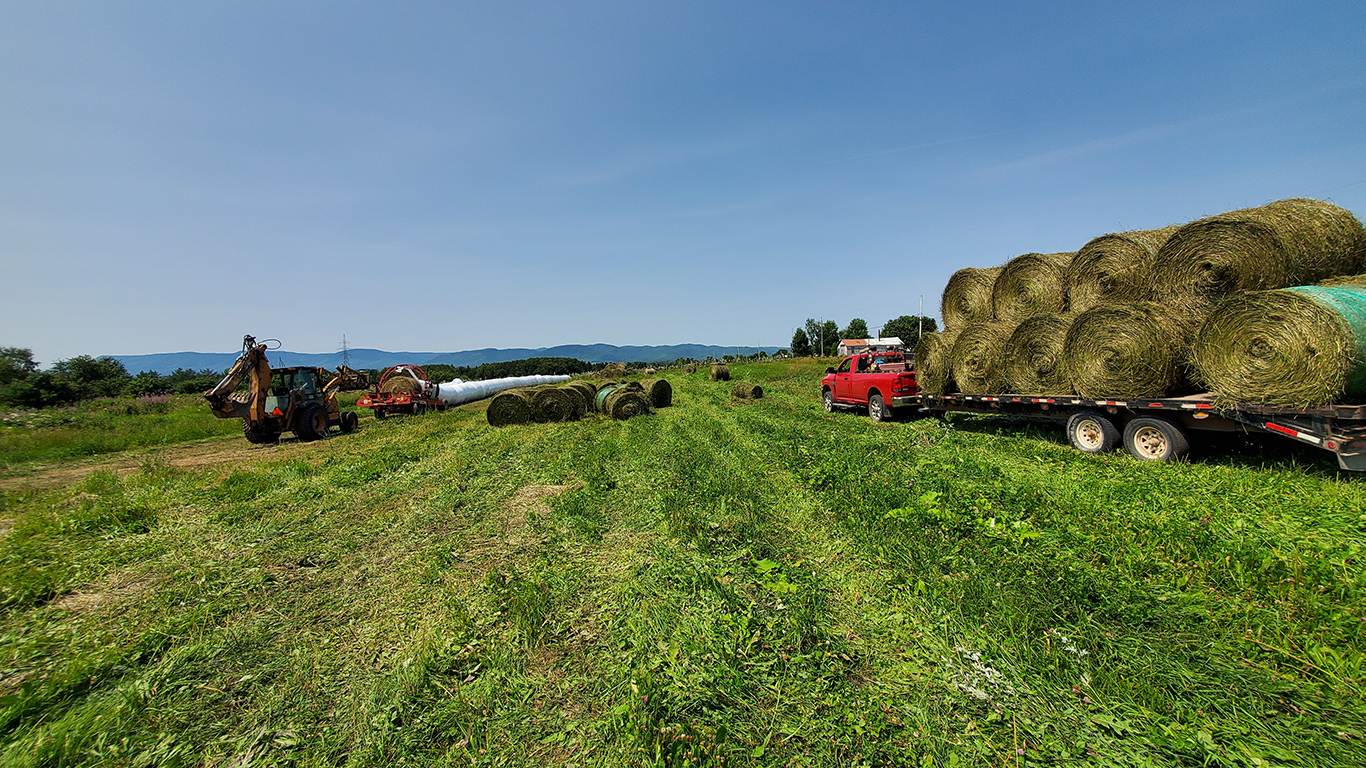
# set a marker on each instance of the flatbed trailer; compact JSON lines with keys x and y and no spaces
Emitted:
{"x":1159,"y":429}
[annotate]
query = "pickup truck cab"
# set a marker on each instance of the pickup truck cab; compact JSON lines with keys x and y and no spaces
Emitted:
{"x":880,"y":382}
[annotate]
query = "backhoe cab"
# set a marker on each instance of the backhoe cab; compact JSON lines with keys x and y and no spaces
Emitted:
{"x":293,"y":399}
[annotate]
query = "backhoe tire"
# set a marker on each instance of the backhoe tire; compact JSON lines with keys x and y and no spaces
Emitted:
{"x":349,"y":421}
{"x":1093,"y":432}
{"x":311,"y":423}
{"x":1153,"y":439}
{"x":258,"y":434}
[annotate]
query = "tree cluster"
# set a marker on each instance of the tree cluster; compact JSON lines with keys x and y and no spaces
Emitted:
{"x":823,"y":339}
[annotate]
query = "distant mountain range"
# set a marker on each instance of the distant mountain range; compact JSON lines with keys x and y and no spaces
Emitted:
{"x":166,"y":362}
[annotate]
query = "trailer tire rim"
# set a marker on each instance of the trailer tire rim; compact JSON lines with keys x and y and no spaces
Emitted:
{"x":1150,"y":443}
{"x":1089,"y":434}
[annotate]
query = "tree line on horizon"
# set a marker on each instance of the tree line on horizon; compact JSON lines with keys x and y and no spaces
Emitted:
{"x":822,"y":339}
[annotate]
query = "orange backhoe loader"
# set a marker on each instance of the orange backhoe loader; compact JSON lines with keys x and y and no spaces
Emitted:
{"x":279,"y":400}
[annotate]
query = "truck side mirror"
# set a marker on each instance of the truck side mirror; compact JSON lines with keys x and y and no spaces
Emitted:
{"x":829,"y":370}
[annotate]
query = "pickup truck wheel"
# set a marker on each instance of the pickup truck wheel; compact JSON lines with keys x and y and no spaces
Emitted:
{"x":877,"y":410}
{"x":828,"y":401}
{"x":1092,"y":432}
{"x":1153,"y":439}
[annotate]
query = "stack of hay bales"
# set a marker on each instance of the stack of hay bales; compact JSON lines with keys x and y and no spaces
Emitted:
{"x":576,"y":399}
{"x":1150,"y":313}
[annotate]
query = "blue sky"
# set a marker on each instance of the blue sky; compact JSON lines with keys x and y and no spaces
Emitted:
{"x":442,"y":176}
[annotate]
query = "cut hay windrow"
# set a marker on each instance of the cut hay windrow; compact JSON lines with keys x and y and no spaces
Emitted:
{"x":577,"y":399}
{"x":1295,"y":347}
{"x":1033,"y":362}
{"x":659,"y":391}
{"x":1285,"y":243}
{"x":978,"y":358}
{"x":933,"y":360}
{"x":1128,"y":349}
{"x":1029,"y":285}
{"x":509,"y":408}
{"x":621,"y":403}
{"x":746,"y":391}
{"x":550,"y":404}
{"x":1115,"y":267}
{"x":719,"y":372}
{"x":967,"y":297}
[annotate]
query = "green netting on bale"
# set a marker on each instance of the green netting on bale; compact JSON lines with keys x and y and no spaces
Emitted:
{"x":1289,"y":242}
{"x":933,"y":361}
{"x":1114,"y":267}
{"x":1029,"y":285}
{"x":509,"y":408}
{"x":1128,"y":349}
{"x":967,"y":297}
{"x":659,"y":391}
{"x":551,"y":404}
{"x":1033,"y":364}
{"x":978,"y":358}
{"x":1296,"y":347}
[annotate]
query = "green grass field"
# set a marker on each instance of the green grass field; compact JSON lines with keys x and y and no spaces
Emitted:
{"x":720,"y":583}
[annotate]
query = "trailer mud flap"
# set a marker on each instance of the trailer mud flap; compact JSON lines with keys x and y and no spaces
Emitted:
{"x":1352,"y":462}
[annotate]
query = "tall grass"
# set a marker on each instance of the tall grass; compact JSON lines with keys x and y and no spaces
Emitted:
{"x":720,"y":583}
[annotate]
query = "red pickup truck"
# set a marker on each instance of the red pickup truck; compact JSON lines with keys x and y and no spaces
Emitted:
{"x":881,"y":382}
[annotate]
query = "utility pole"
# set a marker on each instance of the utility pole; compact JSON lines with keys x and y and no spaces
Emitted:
{"x":920,"y":318}
{"x":346,"y":353}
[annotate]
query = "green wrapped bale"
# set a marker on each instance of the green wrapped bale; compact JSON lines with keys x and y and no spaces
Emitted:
{"x":1033,"y":357}
{"x":746,"y":391}
{"x":1128,"y":349}
{"x":933,"y":362}
{"x":509,"y":408}
{"x":1285,"y":243}
{"x":1029,"y":285}
{"x":659,"y":391}
{"x":967,"y":297}
{"x":1115,"y":267}
{"x":719,"y":372}
{"x":551,"y":404}
{"x":1296,"y":347}
{"x":978,"y":358}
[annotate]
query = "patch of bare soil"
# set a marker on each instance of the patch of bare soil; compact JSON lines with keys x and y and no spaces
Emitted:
{"x":193,"y":456}
{"x":118,"y":589}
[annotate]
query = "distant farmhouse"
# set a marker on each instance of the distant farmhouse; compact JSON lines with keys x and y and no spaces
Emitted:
{"x":857,"y":346}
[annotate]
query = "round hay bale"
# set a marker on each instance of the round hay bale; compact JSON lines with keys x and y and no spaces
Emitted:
{"x":588,"y":391}
{"x":967,"y":297}
{"x":690,"y":368}
{"x":1128,"y":349}
{"x":404,"y":384}
{"x":648,"y":372}
{"x":660,"y":392}
{"x":1345,"y":280}
{"x":933,"y":356}
{"x":613,"y":370}
{"x":1115,"y":267}
{"x":551,"y":404}
{"x":634,"y":386}
{"x":1281,"y":244}
{"x":1296,"y":347}
{"x":746,"y":391}
{"x":577,"y":399}
{"x":622,"y":404}
{"x":510,"y":407}
{"x":978,"y":358}
{"x":719,"y":372}
{"x":1029,"y":285}
{"x":1033,"y":362}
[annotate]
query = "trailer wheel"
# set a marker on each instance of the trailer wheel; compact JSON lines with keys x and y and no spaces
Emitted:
{"x":1092,"y":432}
{"x":1154,"y":439}
{"x":419,"y":409}
{"x":877,"y":410}
{"x":381,"y":414}
{"x":312,"y":424}
{"x":827,"y":400}
{"x":349,"y":421}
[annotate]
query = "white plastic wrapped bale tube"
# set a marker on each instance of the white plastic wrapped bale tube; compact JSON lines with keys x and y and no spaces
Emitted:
{"x":457,"y":392}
